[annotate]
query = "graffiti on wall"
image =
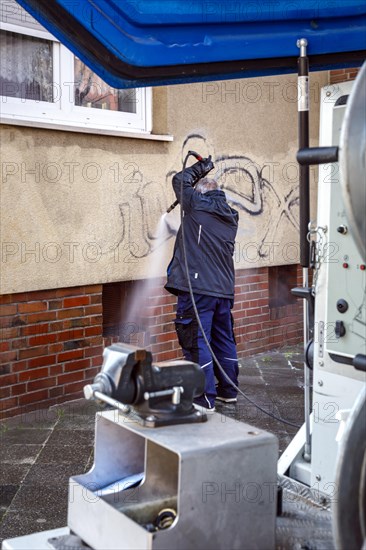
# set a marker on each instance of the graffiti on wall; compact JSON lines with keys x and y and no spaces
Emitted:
{"x":263,"y":206}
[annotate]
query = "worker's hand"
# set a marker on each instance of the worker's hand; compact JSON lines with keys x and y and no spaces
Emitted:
{"x":206,"y":166}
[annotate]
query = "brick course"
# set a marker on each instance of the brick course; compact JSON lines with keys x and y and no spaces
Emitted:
{"x":342,"y":75}
{"x":258,"y":327}
{"x":48,"y":341}
{"x":52,"y":341}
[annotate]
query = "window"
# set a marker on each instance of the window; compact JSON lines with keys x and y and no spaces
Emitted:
{"x":115,"y":298}
{"x":91,"y":91}
{"x":118,"y":323}
{"x":43,"y":84}
{"x":281,"y":279}
{"x":26,"y":68}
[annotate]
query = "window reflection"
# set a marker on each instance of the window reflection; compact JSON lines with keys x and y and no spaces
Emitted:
{"x":92,"y":91}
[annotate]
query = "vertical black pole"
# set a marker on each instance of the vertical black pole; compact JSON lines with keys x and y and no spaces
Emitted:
{"x":303,"y":110}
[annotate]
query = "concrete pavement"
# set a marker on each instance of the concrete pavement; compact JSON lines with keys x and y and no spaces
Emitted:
{"x":41,"y":450}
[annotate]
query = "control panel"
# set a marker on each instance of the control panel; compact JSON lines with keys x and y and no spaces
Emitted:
{"x":345,"y":321}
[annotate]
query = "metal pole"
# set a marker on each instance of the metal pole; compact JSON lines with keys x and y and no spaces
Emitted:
{"x":303,"y":110}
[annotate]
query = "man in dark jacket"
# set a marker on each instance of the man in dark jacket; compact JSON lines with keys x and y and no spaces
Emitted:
{"x":210,"y":227}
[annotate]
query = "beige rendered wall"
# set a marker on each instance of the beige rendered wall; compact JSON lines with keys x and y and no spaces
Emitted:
{"x":81,"y":209}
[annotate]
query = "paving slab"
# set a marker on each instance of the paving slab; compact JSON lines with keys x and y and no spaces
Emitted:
{"x":40,"y":419}
{"x":49,"y":474}
{"x":76,"y":422}
{"x":13,"y":473}
{"x":40,"y":451}
{"x":65,"y":454}
{"x":7,"y":493}
{"x":71,"y":437}
{"x":50,"y":498}
{"x":24,"y":523}
{"x":24,"y":436}
{"x":19,"y":453}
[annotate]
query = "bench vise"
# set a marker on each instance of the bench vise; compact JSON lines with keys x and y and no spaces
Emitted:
{"x":154,"y":395}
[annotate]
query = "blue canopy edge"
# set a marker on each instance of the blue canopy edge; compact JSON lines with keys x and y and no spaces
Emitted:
{"x":136,"y":43}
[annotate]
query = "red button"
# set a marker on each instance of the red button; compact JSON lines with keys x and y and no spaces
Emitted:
{"x":345,"y":265}
{"x":362,"y":267}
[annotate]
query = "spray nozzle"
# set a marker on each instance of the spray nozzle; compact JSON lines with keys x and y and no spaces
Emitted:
{"x":172,"y":206}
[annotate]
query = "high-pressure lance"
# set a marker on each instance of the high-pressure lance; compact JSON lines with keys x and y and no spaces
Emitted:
{"x":198,"y":157}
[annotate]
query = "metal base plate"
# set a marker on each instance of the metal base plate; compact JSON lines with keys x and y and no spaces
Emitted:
{"x":162,"y":418}
{"x":37,"y":541}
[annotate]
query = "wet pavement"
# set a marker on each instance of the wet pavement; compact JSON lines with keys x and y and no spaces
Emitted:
{"x":41,"y":450}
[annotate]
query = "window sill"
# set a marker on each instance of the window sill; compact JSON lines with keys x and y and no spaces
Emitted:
{"x":85,"y":129}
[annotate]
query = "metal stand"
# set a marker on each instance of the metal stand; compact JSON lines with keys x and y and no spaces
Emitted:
{"x":203,"y":485}
{"x":303,"y":109}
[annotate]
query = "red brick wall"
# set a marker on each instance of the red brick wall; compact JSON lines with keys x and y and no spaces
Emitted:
{"x":257,"y":326}
{"x":342,"y":75}
{"x":52,"y":341}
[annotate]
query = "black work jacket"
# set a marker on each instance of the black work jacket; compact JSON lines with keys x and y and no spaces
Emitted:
{"x":210,"y":227}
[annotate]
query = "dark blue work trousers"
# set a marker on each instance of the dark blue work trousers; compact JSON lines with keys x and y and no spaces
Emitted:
{"x":217,"y":322}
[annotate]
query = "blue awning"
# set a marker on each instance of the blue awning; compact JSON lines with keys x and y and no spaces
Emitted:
{"x":133,"y":43}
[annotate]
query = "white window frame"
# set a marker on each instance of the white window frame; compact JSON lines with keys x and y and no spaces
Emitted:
{"x":63,"y":114}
